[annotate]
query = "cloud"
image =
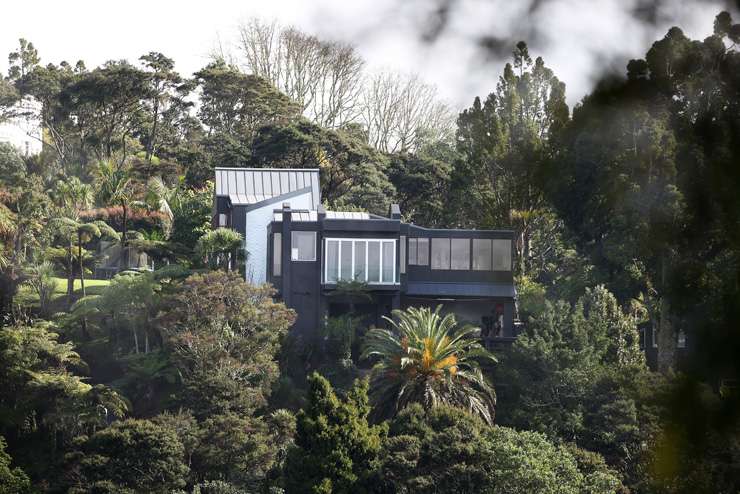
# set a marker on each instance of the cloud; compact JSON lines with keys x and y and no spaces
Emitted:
{"x":462,"y":45}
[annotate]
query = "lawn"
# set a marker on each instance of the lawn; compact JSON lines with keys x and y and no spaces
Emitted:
{"x":27,"y":297}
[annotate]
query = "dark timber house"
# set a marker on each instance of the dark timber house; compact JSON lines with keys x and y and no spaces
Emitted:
{"x":307,"y":253}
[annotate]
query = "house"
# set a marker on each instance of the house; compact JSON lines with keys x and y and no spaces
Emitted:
{"x":309,"y":254}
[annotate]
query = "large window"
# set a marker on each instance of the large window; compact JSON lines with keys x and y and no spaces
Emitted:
{"x":419,"y":252}
{"x":460,"y":253}
{"x":440,"y":253}
{"x":277,"y":253}
{"x":502,"y":255}
{"x":370,"y":261}
{"x":482,"y":252}
{"x":303,"y":246}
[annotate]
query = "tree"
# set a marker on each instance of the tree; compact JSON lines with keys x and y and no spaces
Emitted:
{"x":422,"y":183}
{"x":236,"y":104}
{"x":504,"y":148}
{"x":243,"y":451}
{"x":398,"y":111}
{"x":116,"y":185}
{"x":224,"y":334}
{"x":335,"y":450}
{"x":105,"y":106}
{"x":352,"y":173}
{"x":12,"y":480}
{"x":44,"y":403}
{"x":577,"y":375}
{"x":427,"y":359}
{"x":40,"y":277}
{"x":132,"y":454}
{"x":323,"y":77}
{"x":167,"y":91}
{"x":220,"y":248}
{"x":447,"y":450}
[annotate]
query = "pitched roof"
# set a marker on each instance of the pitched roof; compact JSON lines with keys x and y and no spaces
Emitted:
{"x":245,"y":186}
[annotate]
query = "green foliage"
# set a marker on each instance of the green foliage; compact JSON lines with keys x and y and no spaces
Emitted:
{"x":335,"y":450}
{"x":422,"y":185}
{"x":447,"y":450}
{"x":352,"y":173}
{"x":427,"y":359}
{"x":577,"y":374}
{"x":12,"y":480}
{"x":224,"y":334}
{"x":132,"y":454}
{"x":192,"y":215}
{"x":220,"y":247}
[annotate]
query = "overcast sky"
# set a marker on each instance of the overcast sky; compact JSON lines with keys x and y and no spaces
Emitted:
{"x":458,"y":45}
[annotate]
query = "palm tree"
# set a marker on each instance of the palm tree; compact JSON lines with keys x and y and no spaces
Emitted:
{"x":428,"y":359}
{"x":116,"y":185}
{"x":87,"y":232}
{"x":218,"y":246}
{"x":72,"y":196}
{"x":69,"y":231}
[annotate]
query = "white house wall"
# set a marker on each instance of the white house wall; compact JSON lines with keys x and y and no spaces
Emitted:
{"x":256,"y":235}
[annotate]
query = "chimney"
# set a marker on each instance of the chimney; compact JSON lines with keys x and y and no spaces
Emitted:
{"x":286,"y":212}
{"x":395,"y":212}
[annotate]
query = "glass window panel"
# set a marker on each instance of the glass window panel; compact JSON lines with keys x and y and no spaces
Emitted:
{"x":501,"y":255}
{"x":332,"y":261}
{"x":345,"y":265}
{"x":388,"y":262}
{"x":412,"y":251}
{"x":402,"y":248}
{"x":373,"y":262}
{"x":303,"y":246}
{"x":482,"y":252}
{"x":440,"y":253}
{"x":422,"y":255}
{"x":360,"y":258}
{"x":460,"y":256}
{"x":277,"y":252}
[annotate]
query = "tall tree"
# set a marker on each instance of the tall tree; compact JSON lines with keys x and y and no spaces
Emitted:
{"x":336,"y":449}
{"x":323,"y":77}
{"x":503,"y":143}
{"x":166,"y":91}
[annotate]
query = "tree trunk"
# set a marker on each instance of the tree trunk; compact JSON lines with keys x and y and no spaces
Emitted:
{"x":136,"y":340}
{"x":666,"y":334}
{"x":123,"y":259}
{"x":70,"y":275}
{"x":150,"y":146}
{"x":666,"y":339}
{"x":79,"y":259}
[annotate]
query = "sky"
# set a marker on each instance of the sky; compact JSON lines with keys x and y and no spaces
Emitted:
{"x":458,"y":45}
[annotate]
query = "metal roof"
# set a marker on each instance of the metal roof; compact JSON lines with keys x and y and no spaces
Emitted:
{"x":503,"y":290}
{"x":331,"y":215}
{"x":245,"y":186}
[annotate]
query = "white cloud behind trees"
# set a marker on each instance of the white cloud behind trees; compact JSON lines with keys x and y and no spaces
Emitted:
{"x":462,"y":56}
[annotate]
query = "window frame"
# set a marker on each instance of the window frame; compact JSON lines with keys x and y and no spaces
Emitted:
{"x":466,"y":250}
{"x":277,"y":254}
{"x":292,"y":243}
{"x":508,"y":251}
{"x":448,"y":267}
{"x":473,"y":259}
{"x":354,"y":242}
